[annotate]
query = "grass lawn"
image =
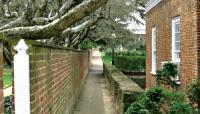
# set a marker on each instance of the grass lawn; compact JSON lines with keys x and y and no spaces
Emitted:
{"x":106,"y":58}
{"x":7,"y":77}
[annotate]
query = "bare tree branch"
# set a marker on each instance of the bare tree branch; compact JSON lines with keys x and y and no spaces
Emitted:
{"x":20,"y":21}
{"x":82,"y":38}
{"x":78,"y":28}
{"x":24,"y":19}
{"x":43,"y":20}
{"x":42,"y":8}
{"x":6,"y":8}
{"x":64,"y":9}
{"x":82,"y":26}
{"x":56,"y":27}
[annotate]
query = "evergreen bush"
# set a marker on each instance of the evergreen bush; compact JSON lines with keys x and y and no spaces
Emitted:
{"x":180,"y":108}
{"x":167,"y":75}
{"x":8,"y":105}
{"x":194,"y":92}
{"x":131,"y":63}
{"x":154,"y":100}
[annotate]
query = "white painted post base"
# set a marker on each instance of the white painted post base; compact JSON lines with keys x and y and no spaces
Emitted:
{"x":21,"y":79}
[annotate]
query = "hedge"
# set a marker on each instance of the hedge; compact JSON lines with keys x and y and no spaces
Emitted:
{"x":130,"y":63}
{"x":128,"y":53}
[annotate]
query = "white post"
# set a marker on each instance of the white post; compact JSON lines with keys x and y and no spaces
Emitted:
{"x":21,"y":79}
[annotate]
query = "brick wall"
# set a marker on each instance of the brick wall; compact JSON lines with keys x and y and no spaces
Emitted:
{"x":161,"y":16}
{"x":123,"y":89}
{"x":1,"y":80}
{"x":56,"y":76}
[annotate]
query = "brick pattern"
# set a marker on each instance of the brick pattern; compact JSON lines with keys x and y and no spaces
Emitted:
{"x":56,"y":77}
{"x":161,"y":16}
{"x":1,"y":80}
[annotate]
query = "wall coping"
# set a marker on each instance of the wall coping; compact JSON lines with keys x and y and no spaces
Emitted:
{"x":125,"y":83}
{"x":151,"y":4}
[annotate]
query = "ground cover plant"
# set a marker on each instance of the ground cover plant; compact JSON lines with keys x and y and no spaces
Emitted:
{"x":7,"y":77}
{"x":106,"y":58}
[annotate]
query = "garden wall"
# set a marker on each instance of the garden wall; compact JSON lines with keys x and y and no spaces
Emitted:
{"x":1,"y":80}
{"x":123,"y":89}
{"x":57,"y":75}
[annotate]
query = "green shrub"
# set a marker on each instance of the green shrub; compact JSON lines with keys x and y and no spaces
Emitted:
{"x":194,"y":92}
{"x":131,"y":53}
{"x":167,"y":74}
{"x":137,"y":108}
{"x":108,"y":52}
{"x":129,"y":99}
{"x":150,"y":102}
{"x":174,"y":96}
{"x":130,"y":63}
{"x":8,"y":105}
{"x":156,"y":94}
{"x":180,"y":108}
{"x":196,"y":112}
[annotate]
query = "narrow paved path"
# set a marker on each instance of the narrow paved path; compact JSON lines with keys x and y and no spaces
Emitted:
{"x":7,"y":91}
{"x":95,"y":97}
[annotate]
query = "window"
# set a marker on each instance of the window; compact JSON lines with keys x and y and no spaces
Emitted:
{"x":176,"y":39}
{"x":153,"y":38}
{"x":176,"y":44}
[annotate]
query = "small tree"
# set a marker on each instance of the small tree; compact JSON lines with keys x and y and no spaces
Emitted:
{"x":167,"y":75}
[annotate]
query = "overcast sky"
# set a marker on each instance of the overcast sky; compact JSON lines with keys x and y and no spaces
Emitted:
{"x":140,"y":28}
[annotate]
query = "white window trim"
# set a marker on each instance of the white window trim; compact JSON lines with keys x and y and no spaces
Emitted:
{"x":174,"y":20}
{"x":153,"y":63}
{"x":176,"y":61}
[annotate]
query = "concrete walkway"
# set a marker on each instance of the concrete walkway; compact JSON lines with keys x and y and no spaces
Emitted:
{"x":95,"y":97}
{"x":7,"y":91}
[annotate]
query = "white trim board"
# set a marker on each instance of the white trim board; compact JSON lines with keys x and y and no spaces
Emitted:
{"x":151,"y":4}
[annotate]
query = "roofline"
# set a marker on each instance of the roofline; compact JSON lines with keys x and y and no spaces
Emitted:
{"x":151,"y":4}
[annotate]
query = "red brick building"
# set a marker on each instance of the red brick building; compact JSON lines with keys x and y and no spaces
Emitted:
{"x":173,"y":34}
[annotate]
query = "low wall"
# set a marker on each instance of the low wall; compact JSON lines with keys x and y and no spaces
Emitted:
{"x":123,"y":89}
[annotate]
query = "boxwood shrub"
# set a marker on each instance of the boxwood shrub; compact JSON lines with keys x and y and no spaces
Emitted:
{"x":130,"y":63}
{"x":8,"y":105}
{"x":155,"y":99}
